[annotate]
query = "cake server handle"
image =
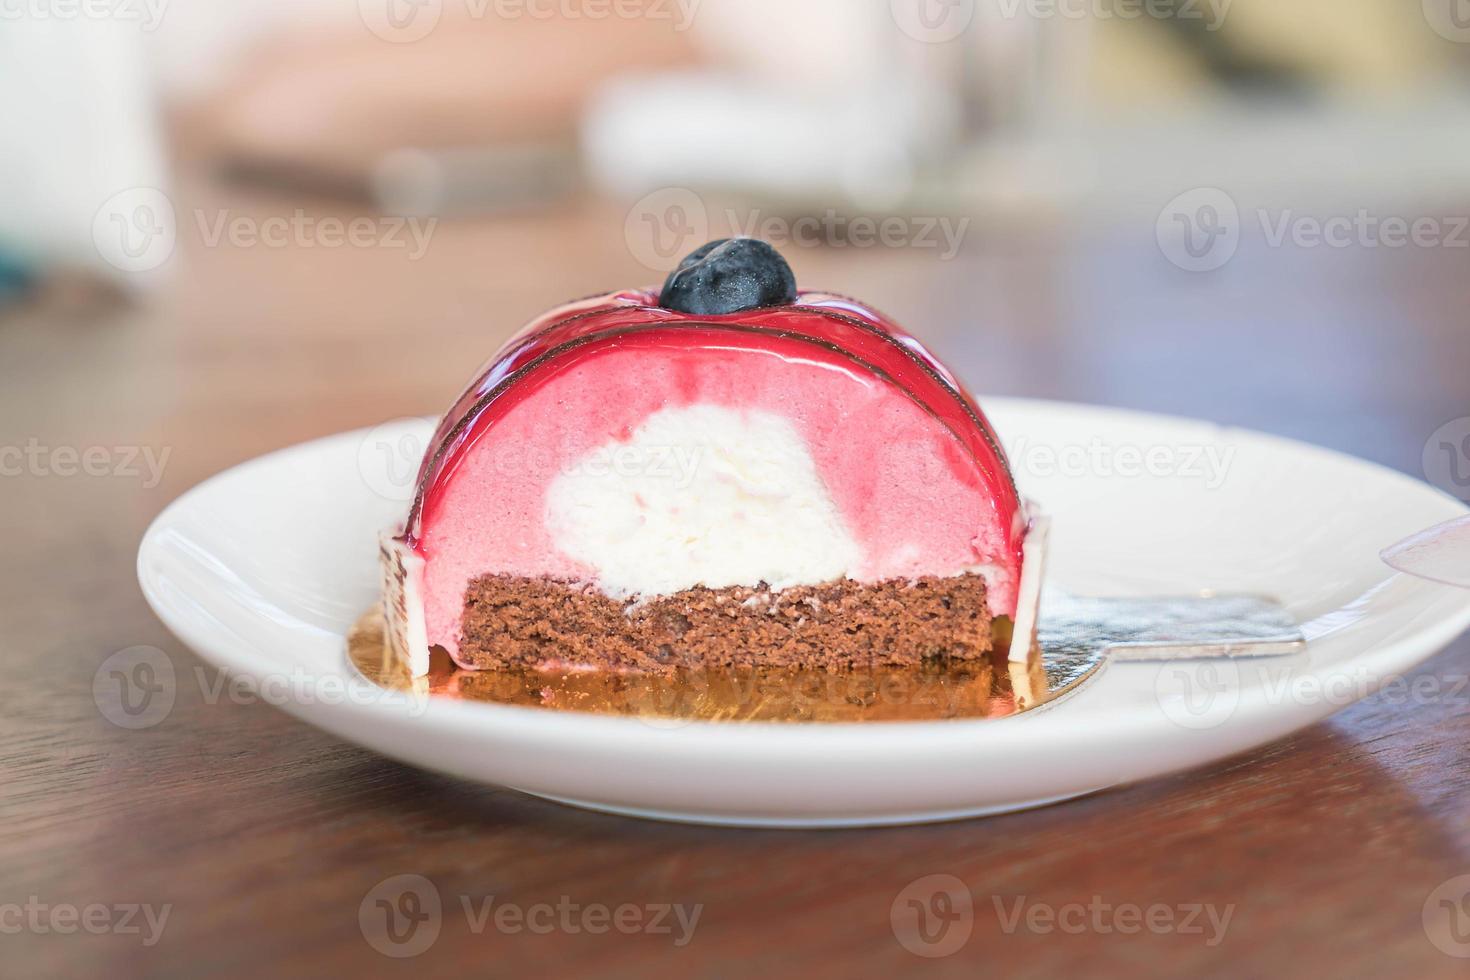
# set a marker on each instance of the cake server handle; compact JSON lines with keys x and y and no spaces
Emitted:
{"x":1439,"y":554}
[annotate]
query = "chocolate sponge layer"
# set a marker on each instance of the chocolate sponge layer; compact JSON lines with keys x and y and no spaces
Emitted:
{"x":528,"y":622}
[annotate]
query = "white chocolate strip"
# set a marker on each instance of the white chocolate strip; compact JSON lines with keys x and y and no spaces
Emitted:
{"x":403,"y":604}
{"x":1028,"y":593}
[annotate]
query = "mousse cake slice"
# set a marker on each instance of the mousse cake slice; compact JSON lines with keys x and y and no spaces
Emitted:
{"x":730,"y":472}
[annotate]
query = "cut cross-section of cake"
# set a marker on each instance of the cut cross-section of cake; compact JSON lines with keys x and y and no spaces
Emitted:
{"x":728,"y":473}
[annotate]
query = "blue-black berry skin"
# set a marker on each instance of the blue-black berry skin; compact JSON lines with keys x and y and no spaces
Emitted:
{"x":728,"y":276}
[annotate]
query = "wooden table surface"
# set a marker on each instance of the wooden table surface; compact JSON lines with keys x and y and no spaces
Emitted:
{"x":263,"y":837}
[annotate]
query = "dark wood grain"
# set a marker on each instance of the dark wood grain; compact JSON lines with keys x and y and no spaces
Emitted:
{"x":264,"y":835}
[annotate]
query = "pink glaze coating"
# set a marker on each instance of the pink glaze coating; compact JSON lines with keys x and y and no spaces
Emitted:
{"x":911,"y":464}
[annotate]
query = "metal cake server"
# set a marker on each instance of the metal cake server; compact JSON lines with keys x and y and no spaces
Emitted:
{"x":1078,"y":635}
{"x":1075,"y":636}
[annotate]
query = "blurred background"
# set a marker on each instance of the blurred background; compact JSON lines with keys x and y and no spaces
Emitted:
{"x":269,"y":220}
{"x":229,"y":226}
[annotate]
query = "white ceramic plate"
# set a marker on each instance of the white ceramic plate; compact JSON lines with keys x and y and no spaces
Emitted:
{"x":263,"y":568}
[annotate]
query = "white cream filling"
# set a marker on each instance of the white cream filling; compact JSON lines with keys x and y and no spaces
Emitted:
{"x":701,"y":495}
